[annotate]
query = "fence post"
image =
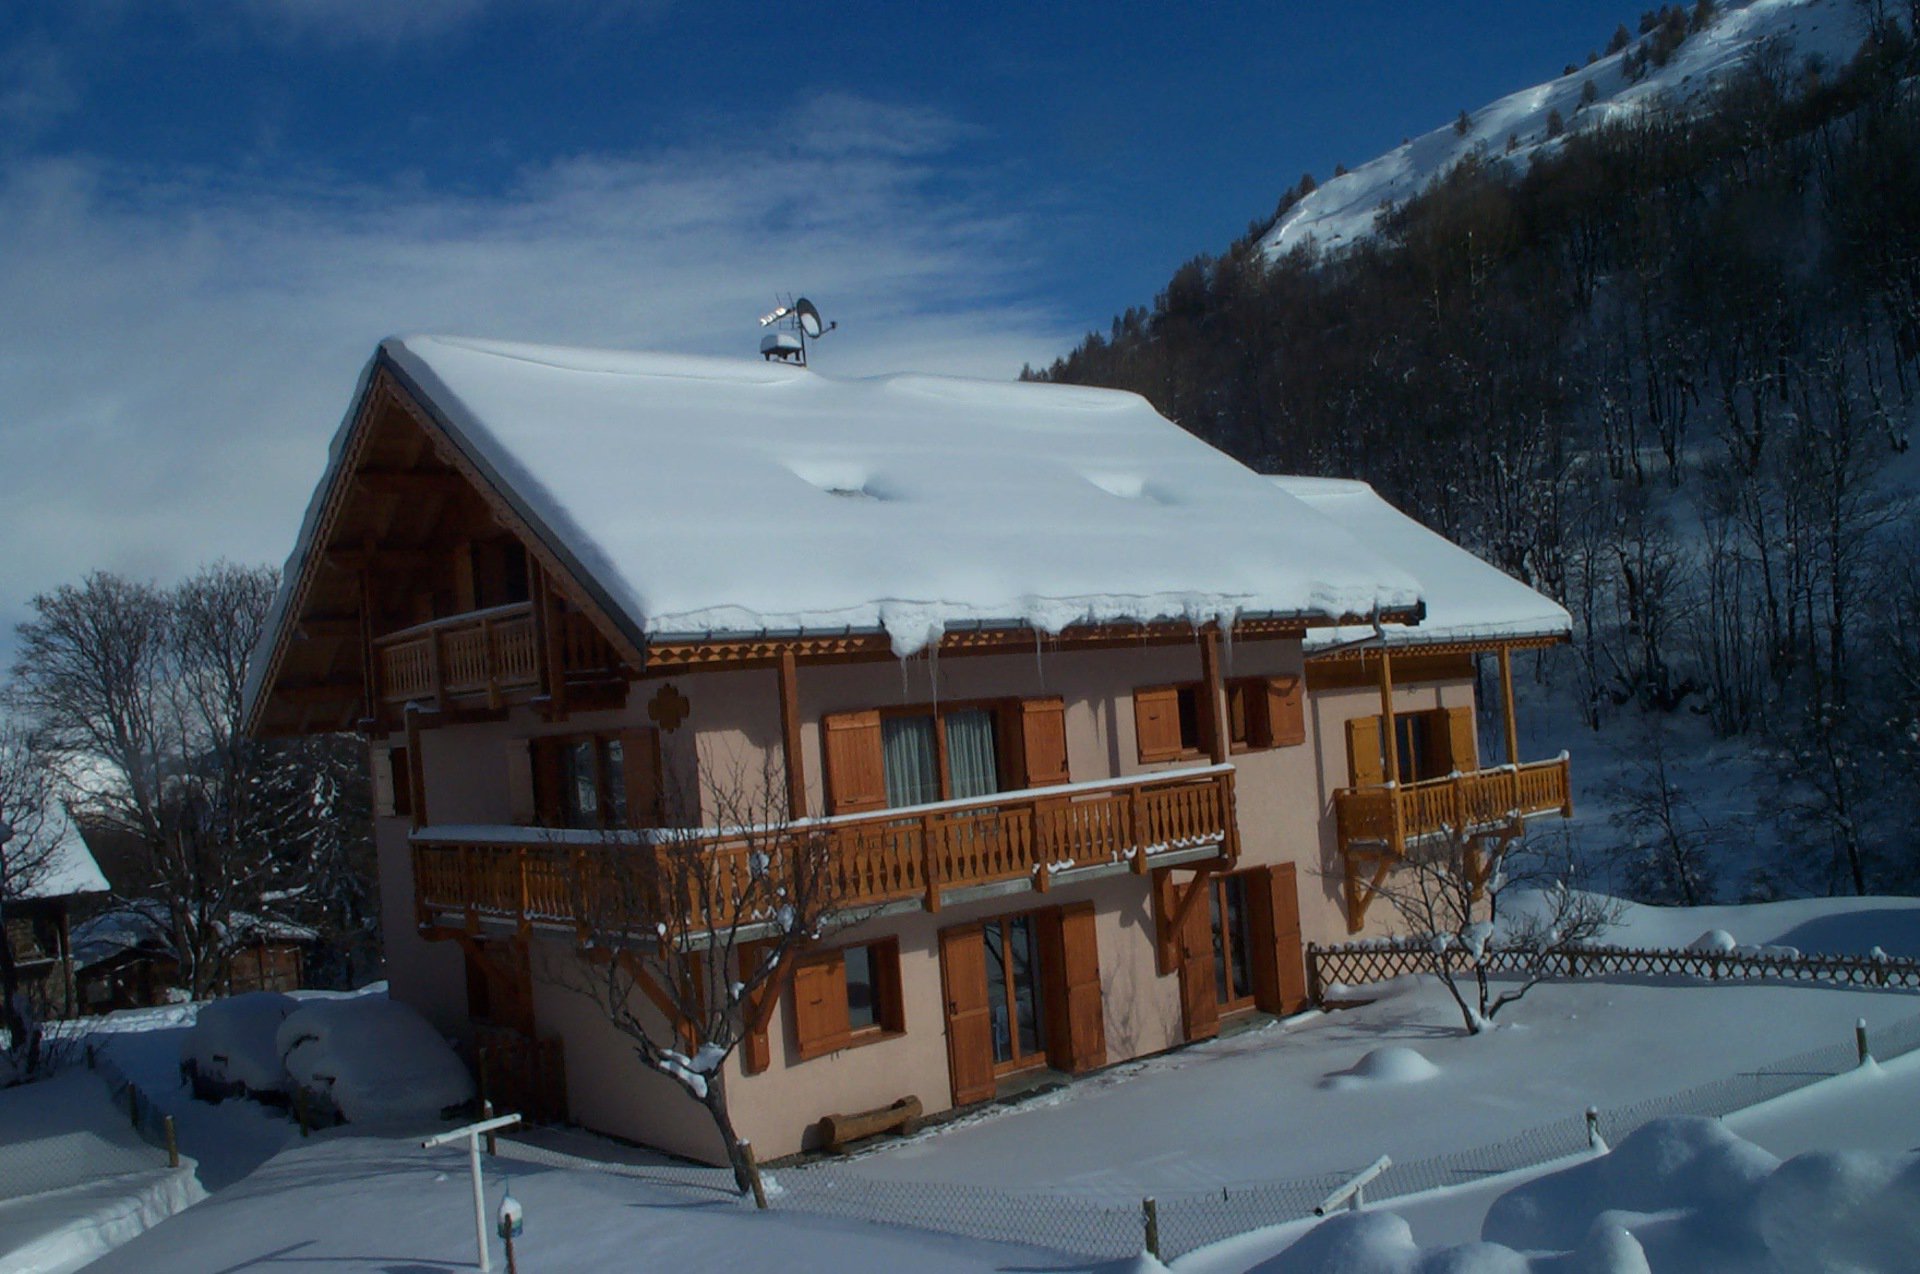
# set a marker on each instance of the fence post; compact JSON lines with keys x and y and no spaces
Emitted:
{"x":753,"y":1176}
{"x":486,"y":1112}
{"x":1593,"y":1129}
{"x":1150,"y":1222}
{"x":173,"y":1144}
{"x":1860,"y":1041}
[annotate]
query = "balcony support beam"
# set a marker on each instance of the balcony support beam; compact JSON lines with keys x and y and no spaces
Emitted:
{"x":1506,"y":698}
{"x":1391,"y":737}
{"x":790,"y":735}
{"x":1216,"y":716}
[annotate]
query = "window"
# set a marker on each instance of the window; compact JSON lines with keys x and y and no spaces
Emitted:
{"x":846,"y":997}
{"x":950,"y":755}
{"x":1265,"y":712}
{"x":597,"y":780}
{"x":1016,"y":1008}
{"x":1427,"y":745}
{"x":1167,"y":722}
{"x":1232,"y":942}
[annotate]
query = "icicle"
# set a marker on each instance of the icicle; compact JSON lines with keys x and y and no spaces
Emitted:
{"x":1039,"y":662}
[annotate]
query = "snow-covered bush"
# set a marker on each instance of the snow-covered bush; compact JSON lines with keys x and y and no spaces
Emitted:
{"x":373,"y":1059}
{"x":231,"y":1048}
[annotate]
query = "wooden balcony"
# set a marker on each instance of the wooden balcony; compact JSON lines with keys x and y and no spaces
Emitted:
{"x":1387,"y":819}
{"x":921,"y":856}
{"x":486,"y":656}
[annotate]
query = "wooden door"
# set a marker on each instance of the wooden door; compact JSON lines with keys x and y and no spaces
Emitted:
{"x":1279,"y":972}
{"x":1199,"y":1002}
{"x":1076,"y":1021}
{"x":963,"y":981}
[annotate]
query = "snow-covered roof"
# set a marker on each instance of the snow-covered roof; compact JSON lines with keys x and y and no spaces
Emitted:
{"x":704,"y":496}
{"x":70,"y":868}
{"x":1467,"y":599}
{"x":142,"y":923}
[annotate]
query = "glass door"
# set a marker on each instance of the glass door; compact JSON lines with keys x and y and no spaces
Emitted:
{"x":1015,"y":1005}
{"x":1232,"y":963}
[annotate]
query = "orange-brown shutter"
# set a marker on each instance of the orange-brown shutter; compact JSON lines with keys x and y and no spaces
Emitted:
{"x":756,"y":1051}
{"x":1078,"y":1032}
{"x":1286,"y":712}
{"x":1156,"y":722}
{"x":1279,"y":974}
{"x":640,"y":766}
{"x":1364,"y":766}
{"x":963,"y":979}
{"x":1199,"y":999}
{"x":1043,"y":742}
{"x":820,"y":1023}
{"x":548,"y":781}
{"x":856,"y":773}
{"x":1463,"y":741}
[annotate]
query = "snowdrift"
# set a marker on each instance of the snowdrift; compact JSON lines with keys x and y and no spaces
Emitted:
{"x":374,"y":1060}
{"x":1679,"y":1196}
{"x":231,"y":1048}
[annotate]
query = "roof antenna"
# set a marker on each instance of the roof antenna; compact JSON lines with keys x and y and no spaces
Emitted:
{"x":794,"y":323}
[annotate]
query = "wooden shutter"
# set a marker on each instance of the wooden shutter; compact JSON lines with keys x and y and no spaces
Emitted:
{"x":1364,"y":767}
{"x":549,"y":780}
{"x":640,"y":766}
{"x":820,"y":1006}
{"x":1156,"y":723}
{"x":856,"y":772}
{"x":1279,"y":970}
{"x":1076,"y":1018}
{"x":1286,"y":712}
{"x":963,"y":980}
{"x":1199,"y":999}
{"x":1043,"y":742}
{"x":756,"y":1050}
{"x":1463,"y":740}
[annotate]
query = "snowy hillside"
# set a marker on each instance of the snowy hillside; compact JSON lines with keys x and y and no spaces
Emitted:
{"x":1346,"y":207}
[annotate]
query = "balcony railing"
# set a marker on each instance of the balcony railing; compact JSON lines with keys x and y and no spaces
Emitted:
{"x":1471,"y":803}
{"x":528,"y":875}
{"x":485,"y":654}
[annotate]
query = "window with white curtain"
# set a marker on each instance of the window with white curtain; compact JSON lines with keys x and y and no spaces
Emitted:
{"x":910,"y":755}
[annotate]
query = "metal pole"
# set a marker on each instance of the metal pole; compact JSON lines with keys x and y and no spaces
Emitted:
{"x":479,"y":1202}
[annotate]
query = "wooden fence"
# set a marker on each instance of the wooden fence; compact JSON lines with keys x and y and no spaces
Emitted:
{"x":1353,"y":964}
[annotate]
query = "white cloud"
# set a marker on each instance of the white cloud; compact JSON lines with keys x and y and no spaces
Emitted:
{"x":175,"y":353}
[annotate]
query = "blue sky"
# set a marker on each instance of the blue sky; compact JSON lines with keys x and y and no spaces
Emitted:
{"x":210,"y":210}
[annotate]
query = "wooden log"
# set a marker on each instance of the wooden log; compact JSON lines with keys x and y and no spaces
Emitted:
{"x":841,"y":1130}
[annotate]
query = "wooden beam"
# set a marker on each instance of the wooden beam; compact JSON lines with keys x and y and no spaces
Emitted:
{"x":328,"y":626}
{"x":1215,"y":723}
{"x":790,"y":736}
{"x":1506,"y":698}
{"x":416,"y":772}
{"x":299,"y":693}
{"x":352,"y":561}
{"x":1392,"y":729}
{"x":410,"y":481}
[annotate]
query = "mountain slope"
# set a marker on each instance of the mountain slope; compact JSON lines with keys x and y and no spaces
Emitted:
{"x":1346,"y":207}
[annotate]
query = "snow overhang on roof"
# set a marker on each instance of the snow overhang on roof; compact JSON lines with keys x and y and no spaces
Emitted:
{"x":1467,"y":599}
{"x":736,"y":498}
{"x":70,"y":868}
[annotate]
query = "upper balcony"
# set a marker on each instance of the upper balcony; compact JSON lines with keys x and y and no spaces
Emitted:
{"x":923,"y":856}
{"x":1391,"y":817}
{"x":488,"y":656}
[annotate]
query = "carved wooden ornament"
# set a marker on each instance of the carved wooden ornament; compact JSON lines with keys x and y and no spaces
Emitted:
{"x":668,"y":708}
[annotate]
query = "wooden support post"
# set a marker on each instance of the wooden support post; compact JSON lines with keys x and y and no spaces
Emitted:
{"x":1150,"y":1223}
{"x":556,"y":653}
{"x":416,"y":770}
{"x":753,"y":1176}
{"x":1391,"y":736}
{"x":1506,"y":698}
{"x":1216,"y":714}
{"x":369,"y":657}
{"x":790,"y":736}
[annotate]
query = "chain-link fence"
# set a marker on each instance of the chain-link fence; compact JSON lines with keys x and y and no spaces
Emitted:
{"x":1109,"y":1228}
{"x":50,"y":1148}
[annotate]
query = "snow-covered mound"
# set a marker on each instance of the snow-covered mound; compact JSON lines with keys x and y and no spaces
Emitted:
{"x":1392,"y":1064}
{"x":1822,"y":926}
{"x":1346,"y":208}
{"x":1679,"y":1195}
{"x":231,"y":1045}
{"x":1713,"y":940}
{"x":375,"y":1059}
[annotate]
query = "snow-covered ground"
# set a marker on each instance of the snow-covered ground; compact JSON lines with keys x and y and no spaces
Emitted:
{"x":1346,"y":207}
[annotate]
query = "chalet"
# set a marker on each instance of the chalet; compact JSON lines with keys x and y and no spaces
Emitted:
{"x":1096,"y":722}
{"x":39,"y":921}
{"x":125,"y":957}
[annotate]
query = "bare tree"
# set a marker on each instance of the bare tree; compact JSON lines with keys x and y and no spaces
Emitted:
{"x":1669,"y":841}
{"x":1447,"y":893}
{"x":689,"y":933}
{"x":135,"y":695}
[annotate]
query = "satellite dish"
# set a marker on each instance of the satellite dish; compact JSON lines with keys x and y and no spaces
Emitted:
{"x":809,"y":318}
